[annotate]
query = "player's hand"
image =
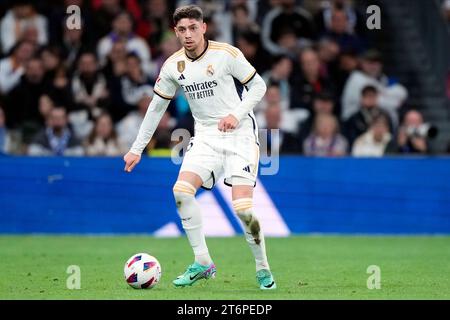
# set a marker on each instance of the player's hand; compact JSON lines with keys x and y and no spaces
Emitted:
{"x":228,"y":123}
{"x":131,"y":160}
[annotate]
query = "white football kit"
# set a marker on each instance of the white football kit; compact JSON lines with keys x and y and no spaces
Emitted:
{"x":214,"y":84}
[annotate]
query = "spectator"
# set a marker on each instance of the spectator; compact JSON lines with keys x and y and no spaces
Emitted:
{"x":235,"y":22}
{"x":272,"y":96}
{"x":249,"y":42}
{"x":22,"y":22}
{"x":89,"y":86}
{"x":323,"y":19}
{"x":287,"y":20}
{"x":51,"y":60}
{"x":369,"y":110}
{"x":309,"y":82}
{"x":289,"y":43}
{"x":127,"y":90}
{"x":373,"y":142}
{"x":241,"y":19}
{"x":5,"y":138}
{"x":169,"y":45}
{"x":323,"y":103}
{"x":391,"y":93}
{"x":339,"y":31}
{"x":46,"y":104}
{"x":328,"y":52}
{"x":12,"y":67}
{"x":123,"y":30}
{"x":134,"y":82}
{"x":103,"y":15}
{"x":290,"y":119}
{"x":59,"y":88}
{"x":22,"y":109}
{"x":153,"y":25}
{"x":410,"y":139}
{"x":446,"y":10}
{"x":128,"y":127}
{"x":73,"y":44}
{"x":116,"y":65}
{"x":103,"y":139}
{"x":325,"y":139}
{"x":280,"y":73}
{"x":56,"y":139}
{"x":347,"y":63}
{"x":282,"y":141}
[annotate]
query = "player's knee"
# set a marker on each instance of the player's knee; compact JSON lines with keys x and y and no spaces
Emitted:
{"x":243,"y":209}
{"x":182,"y":192}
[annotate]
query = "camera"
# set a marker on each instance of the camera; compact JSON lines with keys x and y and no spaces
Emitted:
{"x":425,"y":130}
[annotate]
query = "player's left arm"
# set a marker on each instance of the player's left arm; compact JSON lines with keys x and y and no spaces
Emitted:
{"x":242,"y":70}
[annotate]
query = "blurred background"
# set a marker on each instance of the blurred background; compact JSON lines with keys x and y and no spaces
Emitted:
{"x":341,"y":94}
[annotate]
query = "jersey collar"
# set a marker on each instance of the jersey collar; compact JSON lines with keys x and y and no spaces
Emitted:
{"x":200,"y":55}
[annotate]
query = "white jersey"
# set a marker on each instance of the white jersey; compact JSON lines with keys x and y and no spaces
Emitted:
{"x":213,"y":84}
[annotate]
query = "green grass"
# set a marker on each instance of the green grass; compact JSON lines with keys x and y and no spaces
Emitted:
{"x":307,"y":267}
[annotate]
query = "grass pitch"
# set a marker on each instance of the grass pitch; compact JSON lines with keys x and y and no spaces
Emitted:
{"x":306,"y":267}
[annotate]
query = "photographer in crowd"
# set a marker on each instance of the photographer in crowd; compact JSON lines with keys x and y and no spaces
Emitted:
{"x":413,"y":135}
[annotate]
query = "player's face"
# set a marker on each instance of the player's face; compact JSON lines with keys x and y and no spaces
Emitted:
{"x":190,"y":32}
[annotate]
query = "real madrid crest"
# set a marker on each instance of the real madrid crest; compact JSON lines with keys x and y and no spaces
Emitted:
{"x":210,"y":70}
{"x":181,"y":65}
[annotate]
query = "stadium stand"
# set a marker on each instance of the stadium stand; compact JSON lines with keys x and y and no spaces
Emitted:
{"x":305,"y":48}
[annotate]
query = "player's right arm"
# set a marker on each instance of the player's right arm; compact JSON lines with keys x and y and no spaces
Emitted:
{"x":165,"y":89}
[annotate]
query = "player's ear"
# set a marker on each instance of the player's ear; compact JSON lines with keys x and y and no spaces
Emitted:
{"x":204,"y":27}
{"x":176,"y":31}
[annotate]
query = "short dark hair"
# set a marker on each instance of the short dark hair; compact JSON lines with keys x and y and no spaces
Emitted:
{"x":238,"y":7}
{"x":19,"y":3}
{"x":190,"y":12}
{"x":324,"y":95}
{"x":124,"y":13}
{"x":18,"y":44}
{"x":251,"y":36}
{"x":59,"y":107}
{"x":273,"y":83}
{"x":369,"y":89}
{"x":380,"y":118}
{"x":372,"y":55}
{"x":133,"y":55}
{"x":277,"y":59}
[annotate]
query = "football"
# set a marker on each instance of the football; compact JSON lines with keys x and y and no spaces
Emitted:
{"x":142,"y":271}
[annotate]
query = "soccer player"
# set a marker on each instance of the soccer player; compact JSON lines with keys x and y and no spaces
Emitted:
{"x":213,"y":76}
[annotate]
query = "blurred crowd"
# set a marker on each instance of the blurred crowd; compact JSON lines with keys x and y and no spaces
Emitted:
{"x":85,"y":91}
{"x":446,"y":13}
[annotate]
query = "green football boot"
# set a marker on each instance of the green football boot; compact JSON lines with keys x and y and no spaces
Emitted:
{"x":265,"y":280}
{"x":194,"y":273}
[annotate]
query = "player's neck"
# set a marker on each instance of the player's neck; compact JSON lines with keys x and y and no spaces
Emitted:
{"x":198,"y":51}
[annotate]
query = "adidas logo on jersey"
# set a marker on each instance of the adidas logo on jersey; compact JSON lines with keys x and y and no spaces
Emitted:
{"x":181,"y":77}
{"x":247,"y":168}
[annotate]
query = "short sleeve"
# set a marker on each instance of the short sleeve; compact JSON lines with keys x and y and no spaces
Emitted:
{"x":165,"y":87}
{"x":240,"y":68}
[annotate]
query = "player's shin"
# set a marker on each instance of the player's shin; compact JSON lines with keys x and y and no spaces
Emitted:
{"x":253,"y":232}
{"x":191,"y":219}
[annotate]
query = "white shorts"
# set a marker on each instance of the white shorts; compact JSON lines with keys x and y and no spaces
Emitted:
{"x":234,"y":156}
